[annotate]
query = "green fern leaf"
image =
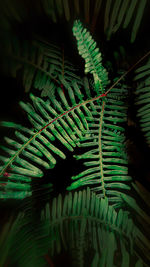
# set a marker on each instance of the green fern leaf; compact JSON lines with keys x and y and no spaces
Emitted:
{"x":87,"y":49}
{"x":41,"y":64}
{"x":63,"y":120}
{"x":79,"y":226}
{"x":143,"y":98}
{"x":138,"y":19}
{"x":114,"y":14}
{"x":106,"y":157}
{"x":117,"y":16}
{"x":83,"y":225}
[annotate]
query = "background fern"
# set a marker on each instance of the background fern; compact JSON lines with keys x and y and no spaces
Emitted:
{"x":42,"y":64}
{"x":142,"y":78}
{"x":116,"y":15}
{"x":58,"y":231}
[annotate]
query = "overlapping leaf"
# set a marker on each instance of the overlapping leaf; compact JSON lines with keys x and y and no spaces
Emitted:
{"x":83,"y":226}
{"x":35,"y":148}
{"x":40,"y":62}
{"x":80,"y":224}
{"x":87,"y":49}
{"x":142,"y":92}
{"x":120,"y":13}
{"x":105,"y":156}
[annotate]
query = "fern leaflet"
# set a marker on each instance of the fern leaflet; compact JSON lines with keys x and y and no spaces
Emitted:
{"x":87,"y":49}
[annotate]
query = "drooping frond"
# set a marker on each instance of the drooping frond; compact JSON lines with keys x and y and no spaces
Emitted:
{"x":40,"y":62}
{"x":116,"y":15}
{"x":143,"y":98}
{"x":87,"y":49}
{"x":58,"y":118}
{"x":105,"y":155}
{"x":82,"y":226}
{"x":120,"y":13}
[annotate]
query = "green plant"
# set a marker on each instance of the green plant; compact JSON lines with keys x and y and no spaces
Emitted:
{"x":42,"y":65}
{"x":50,"y":123}
{"x":142,"y":92}
{"x":116,"y":14}
{"x":84,"y":114}
{"x":79,"y":224}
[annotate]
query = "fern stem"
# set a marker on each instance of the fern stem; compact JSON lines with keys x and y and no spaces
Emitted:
{"x":122,"y":76}
{"x":14,"y":156}
{"x":100,"y":149}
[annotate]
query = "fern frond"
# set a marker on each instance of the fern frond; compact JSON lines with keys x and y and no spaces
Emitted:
{"x":54,"y":54}
{"x":82,"y":225}
{"x":84,"y":216}
{"x":41,"y":64}
{"x":63,"y":119}
{"x":120,"y":13}
{"x":87,"y":49}
{"x":108,"y":24}
{"x":117,"y":14}
{"x":143,"y":98}
{"x":138,"y":19}
{"x":105,"y":157}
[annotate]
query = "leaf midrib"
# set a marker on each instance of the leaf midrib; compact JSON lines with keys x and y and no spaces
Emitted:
{"x":34,"y":136}
{"x":100,"y":149}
